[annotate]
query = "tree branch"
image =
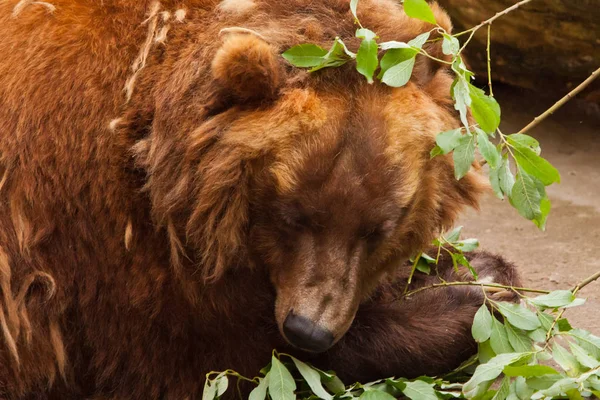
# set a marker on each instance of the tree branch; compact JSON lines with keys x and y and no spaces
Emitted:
{"x":576,"y":289}
{"x":482,"y":285}
{"x":561,"y":102}
{"x":585,"y":282}
{"x":495,"y":17}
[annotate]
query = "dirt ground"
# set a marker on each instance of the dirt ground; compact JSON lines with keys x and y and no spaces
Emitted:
{"x":567,"y":252}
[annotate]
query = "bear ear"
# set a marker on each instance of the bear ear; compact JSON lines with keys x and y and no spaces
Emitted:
{"x":246,"y":67}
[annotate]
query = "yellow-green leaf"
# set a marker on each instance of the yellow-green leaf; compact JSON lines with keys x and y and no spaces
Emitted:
{"x":419,"y":9}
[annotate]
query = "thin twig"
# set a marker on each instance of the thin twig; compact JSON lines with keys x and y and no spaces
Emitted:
{"x":412,"y":272}
{"x":482,"y":285}
{"x":489,"y":60}
{"x":575,"y":289}
{"x":495,"y":17}
{"x":426,"y":54}
{"x":561,"y":102}
{"x":585,"y":282}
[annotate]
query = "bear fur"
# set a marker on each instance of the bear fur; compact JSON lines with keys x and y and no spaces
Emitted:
{"x":170,"y":188}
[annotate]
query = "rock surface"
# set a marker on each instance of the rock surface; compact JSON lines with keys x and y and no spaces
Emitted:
{"x":543,"y":45}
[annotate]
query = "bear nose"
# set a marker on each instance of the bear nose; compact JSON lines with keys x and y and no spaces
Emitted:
{"x":303,"y":333}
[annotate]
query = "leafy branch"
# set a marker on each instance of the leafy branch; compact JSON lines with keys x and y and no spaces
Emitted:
{"x":561,"y":102}
{"x":475,"y":283}
{"x":517,"y":171}
{"x":521,"y":343}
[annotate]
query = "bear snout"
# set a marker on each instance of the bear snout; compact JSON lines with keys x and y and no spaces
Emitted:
{"x":305,"y":334}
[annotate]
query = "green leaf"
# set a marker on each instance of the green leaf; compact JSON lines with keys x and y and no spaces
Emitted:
{"x":467,"y":245}
{"x":436,"y":151}
{"x":464,"y":155}
{"x":366,"y":57}
{"x":482,"y":324}
{"x":546,"y":320}
{"x":394,"y":57}
{"x":574,"y":394}
{"x":490,"y":371}
{"x":485,"y":353}
{"x":557,"y":298}
{"x":540,"y":220}
{"x":337,"y":55}
{"x":565,"y":359}
{"x":450,"y":44}
{"x":485,"y":109}
{"x":353,"y":7}
{"x":557,"y":389}
{"x":366,"y":34}
{"x":495,"y":183}
{"x":260,"y":392}
{"x":542,"y":382}
{"x":594,"y":381}
{"x":335,"y":385}
{"x":518,"y":339}
{"x":564,"y":325}
{"x":419,"y":390}
{"x":447,"y":141}
{"x":505,"y":176}
{"x":528,"y":371}
{"x":376,"y":395}
{"x":281,"y":382}
{"x":399,"y":74}
{"x":533,"y":164}
{"x":525,"y":196}
{"x":583,"y":356}
{"x":542,"y":355}
{"x":588,"y":341}
{"x":453,"y":235}
{"x":418,"y":42}
{"x":419,"y":9}
{"x":526,"y":141}
{"x":521,"y":389}
{"x":489,"y":152}
{"x":518,"y":316}
{"x":459,"y":258}
{"x":221,"y":384}
{"x":538,"y":335}
{"x":210,"y":390}
{"x":305,"y":55}
{"x":313,"y":378}
{"x":399,"y":52}
{"x":499,"y":338}
{"x":340,"y":43}
{"x":503,"y":390}
{"x":393,"y":44}
{"x":430,"y":260}
{"x":214,"y":388}
{"x":462,"y":99}
{"x":423,"y":266}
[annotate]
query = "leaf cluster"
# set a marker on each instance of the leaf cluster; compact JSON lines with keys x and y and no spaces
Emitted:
{"x":516,"y":169}
{"x":528,"y":348}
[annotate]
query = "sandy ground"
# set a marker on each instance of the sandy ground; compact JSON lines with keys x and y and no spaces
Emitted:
{"x":567,"y":252}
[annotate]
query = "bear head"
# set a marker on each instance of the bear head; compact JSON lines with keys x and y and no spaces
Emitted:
{"x":320,"y":180}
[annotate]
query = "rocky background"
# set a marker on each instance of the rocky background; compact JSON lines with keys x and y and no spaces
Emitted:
{"x":545,"y":45}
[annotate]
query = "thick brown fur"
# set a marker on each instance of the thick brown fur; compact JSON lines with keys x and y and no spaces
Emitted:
{"x":170,"y":188}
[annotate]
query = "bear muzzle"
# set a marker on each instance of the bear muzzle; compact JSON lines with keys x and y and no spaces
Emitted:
{"x":303,"y":333}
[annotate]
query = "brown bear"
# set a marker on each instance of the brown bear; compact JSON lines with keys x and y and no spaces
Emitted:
{"x":176,"y":198}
